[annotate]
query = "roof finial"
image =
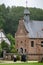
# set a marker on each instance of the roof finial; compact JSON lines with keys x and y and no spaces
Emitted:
{"x":26,"y":3}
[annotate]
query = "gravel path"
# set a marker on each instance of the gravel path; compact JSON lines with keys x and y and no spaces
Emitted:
{"x":17,"y":62}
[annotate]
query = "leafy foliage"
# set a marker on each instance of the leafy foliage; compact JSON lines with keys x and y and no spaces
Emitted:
{"x":0,"y":48}
{"x":12,"y":45}
{"x":11,"y":38}
{"x":4,"y":45}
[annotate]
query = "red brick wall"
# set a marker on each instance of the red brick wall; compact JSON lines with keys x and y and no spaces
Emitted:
{"x":22,"y":40}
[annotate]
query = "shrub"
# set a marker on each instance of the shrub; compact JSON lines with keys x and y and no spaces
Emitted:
{"x":18,"y":57}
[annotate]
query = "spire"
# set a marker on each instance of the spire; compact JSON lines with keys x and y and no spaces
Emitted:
{"x":26,"y":3}
{"x":26,"y":11}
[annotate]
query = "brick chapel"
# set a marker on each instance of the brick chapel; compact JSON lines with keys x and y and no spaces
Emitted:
{"x":29,"y":37}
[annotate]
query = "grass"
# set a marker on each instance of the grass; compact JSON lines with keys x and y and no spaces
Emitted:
{"x":23,"y":64}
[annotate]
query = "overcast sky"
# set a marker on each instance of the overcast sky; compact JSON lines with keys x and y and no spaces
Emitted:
{"x":31,"y":3}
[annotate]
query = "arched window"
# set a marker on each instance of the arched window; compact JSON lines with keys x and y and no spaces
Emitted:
{"x":25,"y":40}
{"x":32,"y":43}
{"x":21,"y":42}
{"x":25,"y":50}
{"x":21,"y":50}
{"x":41,"y":43}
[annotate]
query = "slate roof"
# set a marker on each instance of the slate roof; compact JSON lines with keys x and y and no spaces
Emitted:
{"x":34,"y":28}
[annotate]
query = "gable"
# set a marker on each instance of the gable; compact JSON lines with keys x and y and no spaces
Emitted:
{"x":21,"y":28}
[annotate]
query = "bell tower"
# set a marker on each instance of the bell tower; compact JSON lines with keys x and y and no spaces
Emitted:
{"x":26,"y":13}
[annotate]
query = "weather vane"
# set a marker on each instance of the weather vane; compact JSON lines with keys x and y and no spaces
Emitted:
{"x":26,"y":3}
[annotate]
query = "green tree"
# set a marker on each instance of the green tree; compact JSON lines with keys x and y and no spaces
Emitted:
{"x":11,"y":38}
{"x":4,"y":45}
{"x":2,"y":21}
{"x":12,"y":45}
{"x":13,"y":49}
{"x":0,"y":48}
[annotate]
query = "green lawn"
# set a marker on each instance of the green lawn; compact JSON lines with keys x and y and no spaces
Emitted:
{"x":24,"y":64}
